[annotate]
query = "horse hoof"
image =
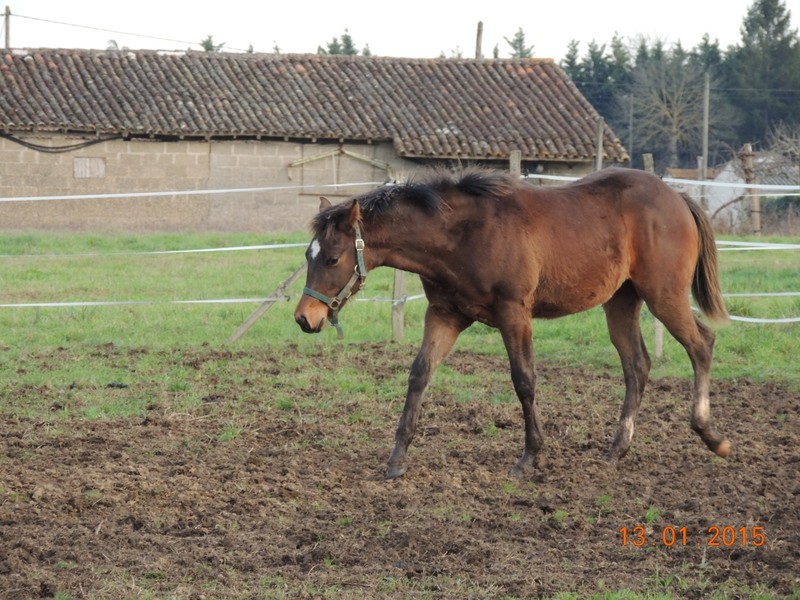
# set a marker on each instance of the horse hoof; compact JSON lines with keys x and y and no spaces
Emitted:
{"x":614,"y":454}
{"x":395,"y":471}
{"x":723,"y":449}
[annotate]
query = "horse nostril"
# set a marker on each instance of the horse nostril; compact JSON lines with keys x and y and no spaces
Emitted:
{"x":303,"y":322}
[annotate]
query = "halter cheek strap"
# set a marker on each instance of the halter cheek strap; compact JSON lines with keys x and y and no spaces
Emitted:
{"x":359,"y":275}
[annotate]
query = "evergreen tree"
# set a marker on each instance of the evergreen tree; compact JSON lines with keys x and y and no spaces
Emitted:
{"x":642,"y":53}
{"x":208,"y":45}
{"x":333,"y":47}
{"x":346,"y":46}
{"x":708,"y":55}
{"x":620,"y":68}
{"x":570,"y":62}
{"x":599,"y":75}
{"x":764,"y":71}
{"x":518,"y":47}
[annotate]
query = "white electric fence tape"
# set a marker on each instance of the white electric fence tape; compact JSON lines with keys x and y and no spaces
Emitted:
{"x":724,"y":245}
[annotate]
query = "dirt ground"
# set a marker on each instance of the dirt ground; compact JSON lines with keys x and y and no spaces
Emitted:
{"x":292,"y":503}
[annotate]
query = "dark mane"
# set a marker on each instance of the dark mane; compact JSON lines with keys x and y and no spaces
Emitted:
{"x":427,"y":192}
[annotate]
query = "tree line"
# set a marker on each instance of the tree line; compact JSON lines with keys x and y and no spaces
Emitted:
{"x":652,"y":95}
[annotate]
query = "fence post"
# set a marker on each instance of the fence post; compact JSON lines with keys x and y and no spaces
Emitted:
{"x":658,"y":326}
{"x":515,"y":163}
{"x":398,"y":304}
{"x":267,"y":304}
{"x":598,"y":161}
{"x":746,"y":156}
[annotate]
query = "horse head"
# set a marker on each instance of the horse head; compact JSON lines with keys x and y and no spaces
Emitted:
{"x":336,"y":267}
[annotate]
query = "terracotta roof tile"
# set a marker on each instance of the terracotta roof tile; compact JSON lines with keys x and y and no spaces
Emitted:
{"x":437,"y":108}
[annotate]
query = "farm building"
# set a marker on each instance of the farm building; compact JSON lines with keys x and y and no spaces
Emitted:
{"x":87,"y":122}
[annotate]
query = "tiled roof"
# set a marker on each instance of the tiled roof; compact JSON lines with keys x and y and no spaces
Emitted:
{"x":431,"y":108}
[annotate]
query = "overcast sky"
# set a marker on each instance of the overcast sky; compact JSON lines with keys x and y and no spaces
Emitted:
{"x":411,"y":28}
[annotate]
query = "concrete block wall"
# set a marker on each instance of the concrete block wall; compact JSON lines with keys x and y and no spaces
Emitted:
{"x":144,"y":165}
{"x":299,"y":172}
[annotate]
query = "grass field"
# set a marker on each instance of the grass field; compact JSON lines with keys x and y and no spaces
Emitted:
{"x":44,"y":268}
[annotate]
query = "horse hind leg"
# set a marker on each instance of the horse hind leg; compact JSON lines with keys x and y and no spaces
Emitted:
{"x":698,"y":341}
{"x":622,"y":316}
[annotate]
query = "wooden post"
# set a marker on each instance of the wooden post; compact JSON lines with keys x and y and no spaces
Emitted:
{"x":398,"y":304}
{"x":598,"y":162}
{"x":746,"y":156}
{"x":658,"y":326}
{"x":515,"y":163}
{"x":7,"y":25}
{"x":649,"y":166}
{"x":256,"y":315}
{"x":706,"y":104}
{"x":701,"y":176}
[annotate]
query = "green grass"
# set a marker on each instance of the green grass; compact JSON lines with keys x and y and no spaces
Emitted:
{"x":34,"y":268}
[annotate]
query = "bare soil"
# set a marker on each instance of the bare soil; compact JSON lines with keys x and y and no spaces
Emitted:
{"x":292,"y":503}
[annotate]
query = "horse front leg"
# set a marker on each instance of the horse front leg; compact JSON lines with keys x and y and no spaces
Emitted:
{"x":442,"y":328}
{"x":516,"y":331}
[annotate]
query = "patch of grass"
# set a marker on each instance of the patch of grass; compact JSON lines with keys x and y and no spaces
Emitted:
{"x":284,"y":404}
{"x":603,"y":501}
{"x":229,"y":433}
{"x":491,"y":430}
{"x":652,"y":515}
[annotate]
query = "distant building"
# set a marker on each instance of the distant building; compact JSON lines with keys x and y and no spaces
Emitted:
{"x":770,"y":169}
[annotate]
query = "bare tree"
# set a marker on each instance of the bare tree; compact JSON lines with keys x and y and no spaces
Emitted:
{"x":784,"y":139}
{"x":784,"y":142}
{"x":667,"y":100}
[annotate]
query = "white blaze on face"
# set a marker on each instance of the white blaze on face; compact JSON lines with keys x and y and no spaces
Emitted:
{"x":314,"y":249}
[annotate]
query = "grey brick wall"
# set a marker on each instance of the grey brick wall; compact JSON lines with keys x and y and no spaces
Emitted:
{"x":142,"y":166}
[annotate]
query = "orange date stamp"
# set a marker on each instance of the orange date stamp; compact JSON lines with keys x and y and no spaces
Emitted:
{"x":724,"y":536}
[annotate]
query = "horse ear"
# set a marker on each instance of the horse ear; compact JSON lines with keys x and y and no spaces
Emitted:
{"x":355,"y":214}
{"x":324,"y":203}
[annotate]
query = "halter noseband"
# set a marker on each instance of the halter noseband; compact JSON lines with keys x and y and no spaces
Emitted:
{"x":359,"y":274}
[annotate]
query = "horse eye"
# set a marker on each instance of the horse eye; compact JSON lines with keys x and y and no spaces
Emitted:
{"x":331,"y":261}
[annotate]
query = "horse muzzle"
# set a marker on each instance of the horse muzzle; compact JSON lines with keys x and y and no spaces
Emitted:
{"x":306,"y":326}
{"x":311,"y":316}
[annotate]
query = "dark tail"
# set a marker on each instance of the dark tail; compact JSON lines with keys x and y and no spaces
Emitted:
{"x":705,"y":285}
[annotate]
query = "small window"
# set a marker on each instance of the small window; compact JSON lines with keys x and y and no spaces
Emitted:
{"x":86,"y":168}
